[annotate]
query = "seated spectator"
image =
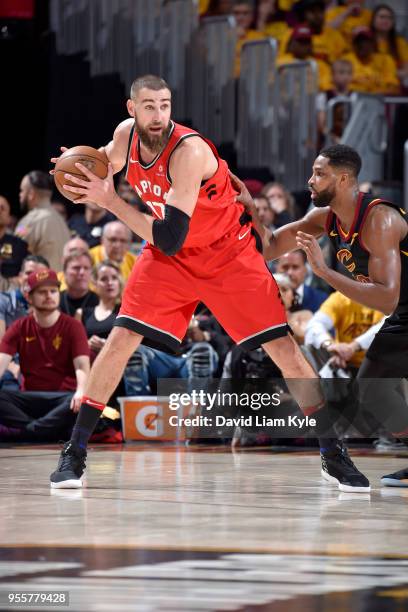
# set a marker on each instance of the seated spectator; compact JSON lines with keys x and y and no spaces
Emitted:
{"x":342,"y":76}
{"x":244,"y":16}
{"x":54,"y":360}
{"x":348,"y":17}
{"x":299,"y":48}
{"x":13,"y":304}
{"x":327,"y":43}
{"x":44,"y":230}
{"x":76,"y":244}
{"x":89,"y":225}
{"x":294,"y":265}
{"x":13,"y":250}
{"x":298,"y":317}
{"x":199,"y":360}
{"x":265,"y":212}
{"x":271,"y":20}
{"x":98,"y":320}
{"x":77,"y":274}
{"x":282,"y":203}
{"x":388,"y":41}
{"x":115,"y":243}
{"x":354,"y":328}
{"x":374,"y":73}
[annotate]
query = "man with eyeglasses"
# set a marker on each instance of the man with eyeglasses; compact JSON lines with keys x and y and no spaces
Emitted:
{"x":115,"y":243}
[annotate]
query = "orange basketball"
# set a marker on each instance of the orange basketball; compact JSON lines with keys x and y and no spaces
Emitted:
{"x":91,"y":158}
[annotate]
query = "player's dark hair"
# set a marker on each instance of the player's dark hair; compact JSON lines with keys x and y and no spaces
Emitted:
{"x":342,"y":156}
{"x":150,"y":81}
{"x":40,"y":180}
{"x":36,"y":259}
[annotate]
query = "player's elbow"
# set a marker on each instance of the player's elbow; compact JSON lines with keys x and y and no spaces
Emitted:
{"x":389,"y":305}
{"x":170,"y":233}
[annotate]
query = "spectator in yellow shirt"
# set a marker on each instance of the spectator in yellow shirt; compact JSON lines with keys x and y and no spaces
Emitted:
{"x":328,"y":43}
{"x":115,"y":243}
{"x":353,"y":326}
{"x":271,"y":20}
{"x":348,"y":17}
{"x":244,"y":16}
{"x":298,"y":48}
{"x":388,"y":41}
{"x":374,"y":73}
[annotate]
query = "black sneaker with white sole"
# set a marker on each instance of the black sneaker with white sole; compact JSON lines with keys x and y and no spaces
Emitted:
{"x":338,"y":468}
{"x":71,"y":466}
{"x":397,"y":479}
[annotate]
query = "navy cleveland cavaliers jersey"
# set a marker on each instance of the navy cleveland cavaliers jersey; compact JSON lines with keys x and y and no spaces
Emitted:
{"x":216,"y":211}
{"x":352,"y":254}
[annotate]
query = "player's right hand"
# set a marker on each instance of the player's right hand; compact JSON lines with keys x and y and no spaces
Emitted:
{"x":54,"y":160}
{"x":244,"y":197}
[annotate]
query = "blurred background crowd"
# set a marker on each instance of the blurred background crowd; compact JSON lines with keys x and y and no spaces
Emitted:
{"x":61,"y":262}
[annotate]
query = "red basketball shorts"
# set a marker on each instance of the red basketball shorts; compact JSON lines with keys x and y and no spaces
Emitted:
{"x":229,"y":276}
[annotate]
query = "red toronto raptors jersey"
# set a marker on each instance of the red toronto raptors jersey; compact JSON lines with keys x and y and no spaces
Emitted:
{"x":216,"y":211}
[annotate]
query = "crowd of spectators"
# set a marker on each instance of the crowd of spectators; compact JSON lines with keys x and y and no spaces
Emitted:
{"x":62,"y":263}
{"x":356,"y":49}
{"x":54,"y":319}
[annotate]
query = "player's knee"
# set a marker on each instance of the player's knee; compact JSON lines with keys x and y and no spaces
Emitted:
{"x":122,"y":341}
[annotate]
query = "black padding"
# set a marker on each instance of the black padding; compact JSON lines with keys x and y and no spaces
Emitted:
{"x":170,"y":233}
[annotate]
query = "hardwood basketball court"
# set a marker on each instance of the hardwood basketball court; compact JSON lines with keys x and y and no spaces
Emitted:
{"x":173,"y":528}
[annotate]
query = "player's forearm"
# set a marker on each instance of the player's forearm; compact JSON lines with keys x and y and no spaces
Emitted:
{"x":140,"y":223}
{"x":373,"y":295}
{"x":280,"y":242}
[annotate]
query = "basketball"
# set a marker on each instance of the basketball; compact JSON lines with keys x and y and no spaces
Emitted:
{"x":91,"y":158}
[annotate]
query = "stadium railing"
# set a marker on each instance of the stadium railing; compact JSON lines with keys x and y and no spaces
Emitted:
{"x":212,"y":80}
{"x":258,"y":106}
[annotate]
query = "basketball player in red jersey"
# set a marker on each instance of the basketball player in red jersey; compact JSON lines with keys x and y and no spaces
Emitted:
{"x":197,"y":251}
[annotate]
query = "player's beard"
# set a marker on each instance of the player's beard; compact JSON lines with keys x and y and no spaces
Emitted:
{"x":323,"y":198}
{"x":154,"y":143}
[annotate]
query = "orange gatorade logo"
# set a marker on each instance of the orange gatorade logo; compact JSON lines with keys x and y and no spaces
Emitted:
{"x":344,"y":256}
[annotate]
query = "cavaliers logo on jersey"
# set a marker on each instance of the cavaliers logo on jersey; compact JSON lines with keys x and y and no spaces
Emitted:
{"x":344,"y":256}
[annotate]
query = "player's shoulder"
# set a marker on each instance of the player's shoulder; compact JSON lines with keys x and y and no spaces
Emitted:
{"x":193,"y":147}
{"x":381,"y":212}
{"x":124,"y":128}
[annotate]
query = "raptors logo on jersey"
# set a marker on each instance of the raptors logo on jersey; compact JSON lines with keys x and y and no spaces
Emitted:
{"x":216,"y":211}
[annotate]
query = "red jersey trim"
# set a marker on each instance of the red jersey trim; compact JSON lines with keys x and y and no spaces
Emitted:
{"x":182,"y":138}
{"x":363,"y":220}
{"x":346,"y":237}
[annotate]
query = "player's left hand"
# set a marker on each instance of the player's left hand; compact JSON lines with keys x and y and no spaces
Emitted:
{"x":314,"y":254}
{"x":96,"y":190}
{"x":76,"y":401}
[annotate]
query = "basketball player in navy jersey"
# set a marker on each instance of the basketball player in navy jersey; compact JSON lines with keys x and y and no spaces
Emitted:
{"x":198,"y":250}
{"x":370,"y":237}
